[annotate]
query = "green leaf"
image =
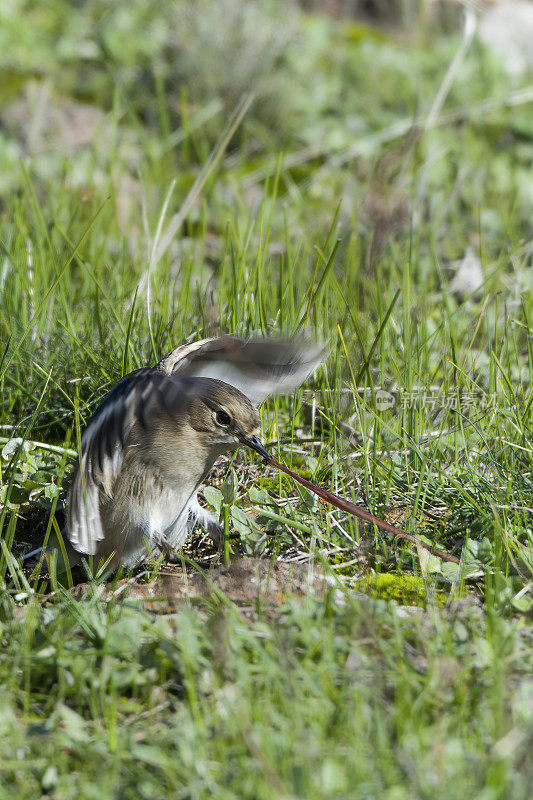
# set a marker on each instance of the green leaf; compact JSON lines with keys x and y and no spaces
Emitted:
{"x":214,"y":497}
{"x":241,"y":521}
{"x":10,"y":448}
{"x":523,"y":603}
{"x":253,"y":537}
{"x":261,"y":497}
{"x":229,"y":488}
{"x":51,"y":490}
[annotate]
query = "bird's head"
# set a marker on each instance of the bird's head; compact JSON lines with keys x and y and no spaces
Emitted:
{"x":223,"y":417}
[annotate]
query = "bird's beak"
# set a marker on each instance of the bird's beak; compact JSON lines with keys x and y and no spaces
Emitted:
{"x":255,"y":444}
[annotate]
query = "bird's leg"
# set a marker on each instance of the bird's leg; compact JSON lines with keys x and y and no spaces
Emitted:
{"x":208,"y":521}
{"x":162,"y":544}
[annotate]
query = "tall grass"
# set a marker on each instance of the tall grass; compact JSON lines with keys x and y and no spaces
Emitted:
{"x":422,"y":410}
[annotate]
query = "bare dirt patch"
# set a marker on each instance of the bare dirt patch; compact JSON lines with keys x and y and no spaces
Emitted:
{"x":252,"y":584}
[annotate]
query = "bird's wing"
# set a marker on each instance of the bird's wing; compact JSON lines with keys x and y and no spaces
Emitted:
{"x":257,"y":367}
{"x":133,"y":400}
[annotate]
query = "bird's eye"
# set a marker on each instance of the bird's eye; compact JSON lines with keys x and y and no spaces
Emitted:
{"x":223,"y":418}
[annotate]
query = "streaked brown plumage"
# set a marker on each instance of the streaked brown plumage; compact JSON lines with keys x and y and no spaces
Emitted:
{"x":155,"y":436}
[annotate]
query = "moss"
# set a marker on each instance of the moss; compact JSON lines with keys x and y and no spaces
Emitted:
{"x":272,"y":482}
{"x":406,"y":590}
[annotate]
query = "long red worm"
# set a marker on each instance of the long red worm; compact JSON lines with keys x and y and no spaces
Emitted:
{"x":358,"y":511}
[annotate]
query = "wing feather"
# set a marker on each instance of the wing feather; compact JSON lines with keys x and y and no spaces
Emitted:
{"x":257,"y":367}
{"x":132,"y":401}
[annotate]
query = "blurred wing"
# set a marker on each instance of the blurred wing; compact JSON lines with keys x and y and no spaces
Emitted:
{"x":133,"y":400}
{"x":257,"y":367}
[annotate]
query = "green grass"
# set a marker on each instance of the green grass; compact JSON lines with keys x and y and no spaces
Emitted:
{"x":330,"y":701}
{"x":306,"y":204}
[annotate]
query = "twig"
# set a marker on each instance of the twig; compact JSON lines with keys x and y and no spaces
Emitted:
{"x":53,"y":448}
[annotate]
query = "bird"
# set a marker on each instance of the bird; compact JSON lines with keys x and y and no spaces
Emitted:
{"x":155,"y":436}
